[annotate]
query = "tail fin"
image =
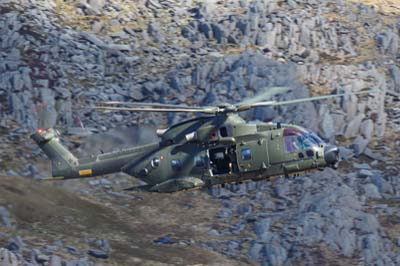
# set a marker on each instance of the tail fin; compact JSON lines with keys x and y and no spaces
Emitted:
{"x":63,"y":162}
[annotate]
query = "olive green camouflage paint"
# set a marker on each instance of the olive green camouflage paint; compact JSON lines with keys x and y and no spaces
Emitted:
{"x":181,"y":160}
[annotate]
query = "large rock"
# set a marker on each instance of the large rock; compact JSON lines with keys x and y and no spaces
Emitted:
{"x":5,"y":216}
{"x":8,"y":258}
{"x":16,"y":108}
{"x":350,"y":104}
{"x":15,"y":244}
{"x":382,"y":184}
{"x":205,"y":28}
{"x":281,"y":189}
{"x":365,"y":173}
{"x":96,"y":4}
{"x":276,"y":254}
{"x":255,"y":250}
{"x":120,"y":47}
{"x":388,"y":42}
{"x":395,"y":74}
{"x":93,"y":39}
{"x":224,"y":213}
{"x":367,"y":128}
{"x":345,"y":153}
{"x":376,"y":156}
{"x":328,"y":126}
{"x":371,"y":247}
{"x":261,"y":228}
{"x":100,"y":254}
{"x":354,"y":126}
{"x":311,"y":224}
{"x":367,"y":224}
{"x":359,"y":145}
{"x":55,"y":261}
{"x":340,"y":236}
{"x":339,"y":123}
{"x":218,"y":32}
{"x":371,"y":191}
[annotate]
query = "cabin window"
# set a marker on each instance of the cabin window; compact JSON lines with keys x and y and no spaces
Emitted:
{"x":246,"y":154}
{"x":223,"y":132}
{"x":199,"y":161}
{"x":155,"y":162}
{"x":176,"y":165}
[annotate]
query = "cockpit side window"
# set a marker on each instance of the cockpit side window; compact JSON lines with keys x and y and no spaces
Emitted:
{"x":304,"y":142}
{"x":291,"y":144}
{"x":290,"y":141}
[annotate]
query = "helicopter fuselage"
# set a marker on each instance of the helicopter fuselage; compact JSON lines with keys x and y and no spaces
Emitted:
{"x":202,"y":152}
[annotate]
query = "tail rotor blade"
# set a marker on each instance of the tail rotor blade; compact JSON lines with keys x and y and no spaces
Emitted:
{"x":47,"y":116}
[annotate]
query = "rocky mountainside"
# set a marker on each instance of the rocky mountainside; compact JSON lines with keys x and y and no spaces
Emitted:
{"x":45,"y":225}
{"x":60,"y":57}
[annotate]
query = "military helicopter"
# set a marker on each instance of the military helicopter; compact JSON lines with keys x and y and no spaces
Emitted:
{"x":218,"y":148}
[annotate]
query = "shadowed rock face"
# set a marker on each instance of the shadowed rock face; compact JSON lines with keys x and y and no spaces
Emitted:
{"x":58,"y":58}
{"x":124,"y":233}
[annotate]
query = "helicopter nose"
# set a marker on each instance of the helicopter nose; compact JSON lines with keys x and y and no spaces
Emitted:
{"x":331,"y":155}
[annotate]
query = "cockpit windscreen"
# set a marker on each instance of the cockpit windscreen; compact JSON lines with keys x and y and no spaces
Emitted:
{"x":295,"y":139}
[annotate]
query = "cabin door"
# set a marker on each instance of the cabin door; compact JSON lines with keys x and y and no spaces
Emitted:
{"x":223,"y":160}
{"x":253,"y":155}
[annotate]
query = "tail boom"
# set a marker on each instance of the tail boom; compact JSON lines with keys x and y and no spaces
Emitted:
{"x":63,"y":162}
{"x":66,"y":166}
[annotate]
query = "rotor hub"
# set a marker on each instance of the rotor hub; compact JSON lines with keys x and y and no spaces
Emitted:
{"x":226,"y":109}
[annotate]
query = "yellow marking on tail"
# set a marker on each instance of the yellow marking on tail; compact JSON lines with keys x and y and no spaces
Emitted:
{"x":85,"y":172}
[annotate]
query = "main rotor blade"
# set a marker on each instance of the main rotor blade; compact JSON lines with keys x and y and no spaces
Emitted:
{"x":308,"y":99}
{"x":161,"y":105}
{"x":268,"y":93}
{"x":210,"y":110}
